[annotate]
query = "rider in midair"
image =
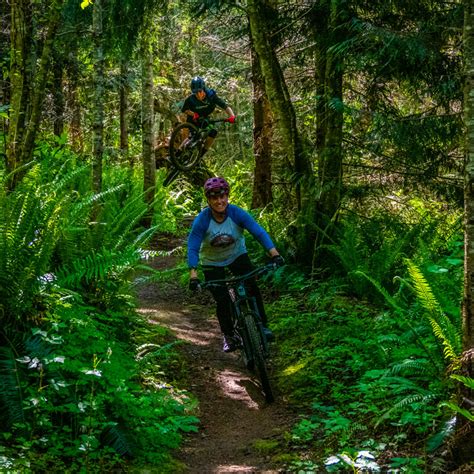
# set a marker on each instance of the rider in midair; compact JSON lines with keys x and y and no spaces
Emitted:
{"x":201,"y":103}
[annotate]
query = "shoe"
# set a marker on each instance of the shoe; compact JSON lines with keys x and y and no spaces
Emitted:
{"x":230,"y":344}
{"x":268,"y":333}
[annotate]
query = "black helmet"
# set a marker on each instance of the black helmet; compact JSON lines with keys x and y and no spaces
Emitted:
{"x":197,"y":83}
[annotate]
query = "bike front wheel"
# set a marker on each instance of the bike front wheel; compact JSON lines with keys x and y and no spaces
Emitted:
{"x":257,"y":348}
{"x":185,"y":150}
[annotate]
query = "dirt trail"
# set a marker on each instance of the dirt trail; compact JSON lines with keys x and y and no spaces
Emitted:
{"x":232,"y":410}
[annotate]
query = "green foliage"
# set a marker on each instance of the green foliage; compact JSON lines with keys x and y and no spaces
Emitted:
{"x":366,"y":369}
{"x":73,"y":387}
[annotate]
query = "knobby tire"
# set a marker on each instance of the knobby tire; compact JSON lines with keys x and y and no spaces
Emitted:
{"x":183,"y":156}
{"x":256,"y":345}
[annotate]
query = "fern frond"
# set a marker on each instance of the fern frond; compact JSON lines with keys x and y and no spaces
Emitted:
{"x":96,"y":266}
{"x":448,"y":350}
{"x":462,"y":411}
{"x":11,"y":397}
{"x":388,"y":298}
{"x":410,"y":367}
{"x":467,"y":381}
{"x":117,"y":439}
{"x":424,"y":398}
{"x":423,"y":289}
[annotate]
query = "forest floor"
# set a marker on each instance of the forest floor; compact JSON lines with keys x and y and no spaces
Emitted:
{"x":235,"y":420}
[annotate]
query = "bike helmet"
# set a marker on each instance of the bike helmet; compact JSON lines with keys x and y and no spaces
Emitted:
{"x":197,"y":84}
{"x":215,"y":184}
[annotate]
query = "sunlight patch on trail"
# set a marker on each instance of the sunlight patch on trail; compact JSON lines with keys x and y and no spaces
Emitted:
{"x":224,"y":469}
{"x":231,"y":384}
{"x":182,"y":328}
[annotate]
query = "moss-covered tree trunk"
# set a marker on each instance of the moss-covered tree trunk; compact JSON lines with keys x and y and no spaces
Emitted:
{"x":148,"y":157}
{"x":330,"y":160}
{"x":73,"y":103}
{"x":285,"y":119}
{"x":28,"y":90}
{"x":58,"y":95}
{"x":99,"y":92}
{"x":464,"y":441}
{"x":262,"y":140}
{"x":124,"y":93}
{"x":20,"y":82}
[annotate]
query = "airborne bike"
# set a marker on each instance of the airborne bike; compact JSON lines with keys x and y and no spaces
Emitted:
{"x":248,"y":324}
{"x":187,"y":142}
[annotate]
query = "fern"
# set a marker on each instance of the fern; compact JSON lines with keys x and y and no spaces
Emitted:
{"x":410,"y":367}
{"x":117,"y":439}
{"x":467,"y":381}
{"x":422,"y":398}
{"x":96,"y":266}
{"x":442,"y":327}
{"x":422,"y":289}
{"x":11,"y":396}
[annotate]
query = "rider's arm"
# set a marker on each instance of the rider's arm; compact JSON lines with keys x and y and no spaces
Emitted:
{"x":229,"y":111}
{"x":195,"y":238}
{"x":187,"y":107}
{"x":246,"y":221}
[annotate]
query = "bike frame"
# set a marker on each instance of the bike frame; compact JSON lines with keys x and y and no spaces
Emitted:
{"x":242,"y":303}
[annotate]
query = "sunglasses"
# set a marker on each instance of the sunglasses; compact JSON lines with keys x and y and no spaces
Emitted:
{"x":221,"y":192}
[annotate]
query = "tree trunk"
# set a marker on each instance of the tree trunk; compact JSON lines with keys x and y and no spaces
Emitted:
{"x":58,"y":96}
{"x":73,"y":104}
{"x":20,"y":80}
{"x":320,"y":108}
{"x":149,"y":166}
{"x":262,"y":140}
{"x":329,"y":112}
{"x":277,"y":92}
{"x":40,"y":83}
{"x":99,"y":92}
{"x":285,"y":118}
{"x":463,"y":452}
{"x":124,"y":92}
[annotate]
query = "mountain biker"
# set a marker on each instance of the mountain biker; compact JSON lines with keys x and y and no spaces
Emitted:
{"x":217,"y":239}
{"x":200,"y":104}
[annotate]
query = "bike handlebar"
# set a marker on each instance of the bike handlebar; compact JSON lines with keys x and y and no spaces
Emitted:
{"x":236,"y":279}
{"x":212,"y":121}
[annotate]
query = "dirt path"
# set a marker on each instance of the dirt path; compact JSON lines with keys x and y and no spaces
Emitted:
{"x":232,"y":410}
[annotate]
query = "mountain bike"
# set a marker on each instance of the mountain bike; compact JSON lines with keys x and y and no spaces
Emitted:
{"x":187,"y":142}
{"x":248,"y":324}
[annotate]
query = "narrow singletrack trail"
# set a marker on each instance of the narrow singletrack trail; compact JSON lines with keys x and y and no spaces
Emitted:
{"x":232,"y":410}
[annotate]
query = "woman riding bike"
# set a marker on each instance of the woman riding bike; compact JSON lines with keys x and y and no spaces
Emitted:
{"x":200,"y":104}
{"x":217,"y":238}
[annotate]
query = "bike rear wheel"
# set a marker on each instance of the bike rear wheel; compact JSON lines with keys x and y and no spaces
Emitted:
{"x":258,"y":352}
{"x":185,"y":151}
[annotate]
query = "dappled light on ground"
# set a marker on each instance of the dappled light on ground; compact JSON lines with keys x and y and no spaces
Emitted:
{"x":224,"y":469}
{"x":180,"y":326}
{"x":233,"y":384}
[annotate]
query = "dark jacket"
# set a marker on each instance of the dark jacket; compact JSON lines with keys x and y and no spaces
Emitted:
{"x":205,"y":107}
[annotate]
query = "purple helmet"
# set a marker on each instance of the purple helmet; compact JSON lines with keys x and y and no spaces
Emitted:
{"x":216,"y":184}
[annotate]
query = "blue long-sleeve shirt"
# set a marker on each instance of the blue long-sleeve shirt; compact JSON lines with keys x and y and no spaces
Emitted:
{"x":220,"y":243}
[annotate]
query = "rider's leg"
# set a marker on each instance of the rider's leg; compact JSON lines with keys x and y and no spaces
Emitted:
{"x":209,"y":141}
{"x":222,"y":299}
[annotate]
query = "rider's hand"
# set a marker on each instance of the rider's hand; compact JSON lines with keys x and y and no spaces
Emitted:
{"x":231,"y":119}
{"x":195,"y":116}
{"x":278,"y":261}
{"x":194,"y":285}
